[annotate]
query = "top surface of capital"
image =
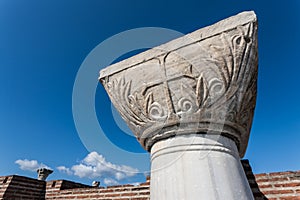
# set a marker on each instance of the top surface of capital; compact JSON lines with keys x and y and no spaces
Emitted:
{"x":203,"y":82}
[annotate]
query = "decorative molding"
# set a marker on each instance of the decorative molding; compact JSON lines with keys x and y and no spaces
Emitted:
{"x":206,"y":86}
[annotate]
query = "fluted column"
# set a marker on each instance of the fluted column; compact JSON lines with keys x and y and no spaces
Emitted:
{"x":190,"y":103}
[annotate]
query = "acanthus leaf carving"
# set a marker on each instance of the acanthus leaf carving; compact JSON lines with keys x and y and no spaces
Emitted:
{"x":201,"y":91}
{"x":222,"y":89}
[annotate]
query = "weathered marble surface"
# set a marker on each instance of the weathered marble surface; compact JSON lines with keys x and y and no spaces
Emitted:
{"x":197,"y":166}
{"x":204,"y":82}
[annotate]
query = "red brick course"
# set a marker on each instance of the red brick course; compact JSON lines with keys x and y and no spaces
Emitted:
{"x":272,"y":186}
{"x":280,"y":185}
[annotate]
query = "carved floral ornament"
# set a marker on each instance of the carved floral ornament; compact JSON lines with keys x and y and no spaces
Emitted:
{"x":207,"y":86}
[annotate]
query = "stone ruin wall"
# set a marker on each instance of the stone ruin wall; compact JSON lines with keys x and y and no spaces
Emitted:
{"x":272,"y":186}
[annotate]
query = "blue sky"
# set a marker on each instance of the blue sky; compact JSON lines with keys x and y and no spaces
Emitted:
{"x":44,"y":43}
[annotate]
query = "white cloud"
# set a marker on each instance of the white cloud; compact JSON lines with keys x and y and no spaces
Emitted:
{"x":82,"y":171}
{"x":94,"y":166}
{"x":110,"y":181}
{"x":119,"y":175}
{"x":64,"y":170}
{"x":30,"y":165}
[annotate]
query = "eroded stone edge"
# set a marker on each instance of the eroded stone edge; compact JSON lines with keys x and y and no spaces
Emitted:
{"x":198,"y":35}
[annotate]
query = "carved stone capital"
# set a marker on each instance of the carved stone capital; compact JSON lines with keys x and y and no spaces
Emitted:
{"x":43,"y":173}
{"x":204,"y":82}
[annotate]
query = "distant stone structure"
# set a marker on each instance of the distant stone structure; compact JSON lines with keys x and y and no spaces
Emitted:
{"x":43,"y":173}
{"x":273,"y":186}
{"x":190,"y":103}
{"x":96,"y":184}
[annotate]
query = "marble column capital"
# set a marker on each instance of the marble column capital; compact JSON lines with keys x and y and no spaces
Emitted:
{"x":203,"y":82}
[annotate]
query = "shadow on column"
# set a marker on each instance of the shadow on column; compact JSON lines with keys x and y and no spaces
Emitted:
{"x":258,"y":195}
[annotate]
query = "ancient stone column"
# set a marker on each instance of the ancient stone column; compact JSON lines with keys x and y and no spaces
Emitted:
{"x":190,"y":103}
{"x":43,"y":173}
{"x":96,"y":183}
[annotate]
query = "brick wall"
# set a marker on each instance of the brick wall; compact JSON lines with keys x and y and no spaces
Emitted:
{"x":58,"y":190}
{"x":20,"y":187}
{"x":258,"y":195}
{"x":4,"y":182}
{"x":279,"y":186}
{"x":53,"y":188}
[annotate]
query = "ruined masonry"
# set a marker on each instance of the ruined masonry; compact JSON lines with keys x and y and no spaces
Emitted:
{"x":273,"y":186}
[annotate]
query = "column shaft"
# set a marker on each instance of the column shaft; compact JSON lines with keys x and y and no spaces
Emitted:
{"x":197,"y":166}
